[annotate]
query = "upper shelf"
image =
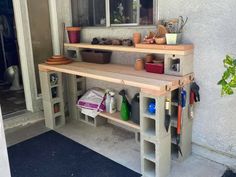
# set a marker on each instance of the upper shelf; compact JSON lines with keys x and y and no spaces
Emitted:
{"x":161,"y":49}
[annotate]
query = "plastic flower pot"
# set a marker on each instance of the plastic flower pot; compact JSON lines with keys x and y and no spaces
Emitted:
{"x":73,"y":34}
{"x":173,"y":38}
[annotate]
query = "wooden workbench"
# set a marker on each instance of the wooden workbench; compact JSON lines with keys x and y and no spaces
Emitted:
{"x":154,"y":138}
{"x":121,"y":74}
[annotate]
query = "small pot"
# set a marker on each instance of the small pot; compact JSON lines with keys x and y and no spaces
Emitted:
{"x":173,"y":38}
{"x":149,"y":58}
{"x":137,"y":38}
{"x":160,"y":40}
{"x":139,"y":65}
{"x":73,"y":34}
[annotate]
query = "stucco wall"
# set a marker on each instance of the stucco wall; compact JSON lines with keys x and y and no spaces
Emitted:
{"x":211,"y":28}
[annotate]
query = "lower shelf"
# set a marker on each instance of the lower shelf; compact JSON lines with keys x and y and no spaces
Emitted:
{"x":116,"y":118}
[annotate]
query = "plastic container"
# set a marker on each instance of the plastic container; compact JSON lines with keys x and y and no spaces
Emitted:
{"x":155,"y":68}
{"x":73,"y":34}
{"x":112,"y":107}
{"x":135,"y":109}
{"x":107,"y":102}
{"x":96,"y":56}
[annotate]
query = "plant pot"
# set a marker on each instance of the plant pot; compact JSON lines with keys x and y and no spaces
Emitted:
{"x":137,"y":38}
{"x":73,"y":34}
{"x":173,"y":38}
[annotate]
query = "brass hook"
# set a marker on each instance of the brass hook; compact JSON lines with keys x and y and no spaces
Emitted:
{"x":181,"y":83}
{"x":191,"y":78}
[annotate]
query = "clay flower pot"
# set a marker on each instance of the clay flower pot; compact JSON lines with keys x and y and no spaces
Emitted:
{"x":139,"y":64}
{"x":73,"y":34}
{"x":137,"y":38}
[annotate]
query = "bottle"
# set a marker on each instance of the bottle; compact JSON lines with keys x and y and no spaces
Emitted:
{"x":108,"y":100}
{"x":112,"y":107}
{"x":125,"y":107}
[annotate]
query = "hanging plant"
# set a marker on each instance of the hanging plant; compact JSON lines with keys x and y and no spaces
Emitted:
{"x":228,"y":80}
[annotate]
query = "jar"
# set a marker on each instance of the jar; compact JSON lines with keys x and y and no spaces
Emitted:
{"x":139,"y":65}
{"x":137,"y":38}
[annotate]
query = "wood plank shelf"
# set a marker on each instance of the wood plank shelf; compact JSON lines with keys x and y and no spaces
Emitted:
{"x":116,"y":118}
{"x":120,"y":74}
{"x":184,"y":51}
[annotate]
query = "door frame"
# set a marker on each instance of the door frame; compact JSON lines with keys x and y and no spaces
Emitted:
{"x":33,"y":100}
{"x":4,"y":161}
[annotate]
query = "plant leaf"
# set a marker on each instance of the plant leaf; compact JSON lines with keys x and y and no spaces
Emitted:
{"x":227,"y":90}
{"x":228,"y":60}
{"x":226,"y":75}
{"x":234,"y":62}
{"x":222,"y":82}
{"x":232,"y":70}
{"x":232,"y":84}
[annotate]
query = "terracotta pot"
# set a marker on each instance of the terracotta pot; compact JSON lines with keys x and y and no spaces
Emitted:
{"x":149,"y":58}
{"x":73,"y":34}
{"x":137,"y":38}
{"x":160,"y":40}
{"x":139,"y":65}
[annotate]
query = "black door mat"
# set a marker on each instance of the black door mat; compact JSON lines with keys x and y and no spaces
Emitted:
{"x":229,"y":173}
{"x":54,"y":155}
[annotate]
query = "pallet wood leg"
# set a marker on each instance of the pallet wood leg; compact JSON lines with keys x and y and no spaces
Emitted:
{"x":53,"y":101}
{"x":155,"y":140}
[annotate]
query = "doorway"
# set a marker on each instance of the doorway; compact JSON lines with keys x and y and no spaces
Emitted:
{"x":12,"y":98}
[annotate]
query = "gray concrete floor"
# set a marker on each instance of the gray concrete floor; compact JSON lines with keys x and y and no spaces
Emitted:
{"x":118,"y":145}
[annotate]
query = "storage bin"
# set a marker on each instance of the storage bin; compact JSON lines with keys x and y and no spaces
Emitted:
{"x":96,"y":56}
{"x":155,"y":68}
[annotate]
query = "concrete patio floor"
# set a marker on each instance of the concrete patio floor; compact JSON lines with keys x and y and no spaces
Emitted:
{"x":118,"y":145}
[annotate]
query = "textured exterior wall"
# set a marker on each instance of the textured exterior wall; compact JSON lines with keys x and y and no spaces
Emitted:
{"x":211,"y":29}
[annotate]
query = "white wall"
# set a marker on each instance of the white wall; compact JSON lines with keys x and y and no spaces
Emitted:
{"x":4,"y":163}
{"x":211,"y":28}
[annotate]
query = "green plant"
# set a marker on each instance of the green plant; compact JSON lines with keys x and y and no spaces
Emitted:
{"x":228,"y":80}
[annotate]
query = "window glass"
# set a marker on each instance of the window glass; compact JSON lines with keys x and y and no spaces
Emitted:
{"x":124,"y":11}
{"x":89,"y":12}
{"x":146,"y":12}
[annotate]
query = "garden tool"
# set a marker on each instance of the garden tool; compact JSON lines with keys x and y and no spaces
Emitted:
{"x":179,"y":120}
{"x":194,"y":97}
{"x":182,"y":23}
{"x":195,"y":89}
{"x":167,"y":114}
{"x":125,"y":106}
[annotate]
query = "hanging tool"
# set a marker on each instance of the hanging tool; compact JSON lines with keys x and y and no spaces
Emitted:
{"x":194,"y":97}
{"x":195,"y":89}
{"x":167,"y":114}
{"x":179,"y":120}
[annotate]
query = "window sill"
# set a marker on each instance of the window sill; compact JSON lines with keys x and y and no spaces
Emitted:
{"x":121,"y":27}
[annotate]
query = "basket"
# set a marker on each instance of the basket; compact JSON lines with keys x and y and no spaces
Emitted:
{"x":96,"y":56}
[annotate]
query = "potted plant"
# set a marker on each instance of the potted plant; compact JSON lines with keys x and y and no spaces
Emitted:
{"x":228,"y":80}
{"x":175,"y":29}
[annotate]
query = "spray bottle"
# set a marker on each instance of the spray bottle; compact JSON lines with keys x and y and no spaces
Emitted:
{"x":125,"y":106}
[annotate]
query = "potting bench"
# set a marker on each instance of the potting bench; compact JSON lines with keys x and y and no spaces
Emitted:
{"x":156,"y":143}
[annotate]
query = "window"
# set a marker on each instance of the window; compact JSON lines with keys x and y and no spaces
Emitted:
{"x":89,"y":12}
{"x":114,"y":12}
